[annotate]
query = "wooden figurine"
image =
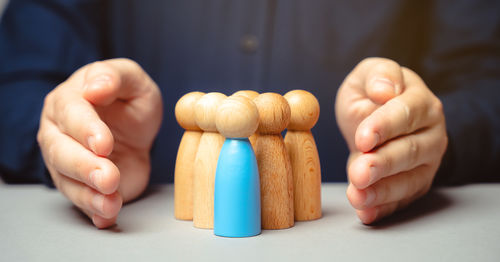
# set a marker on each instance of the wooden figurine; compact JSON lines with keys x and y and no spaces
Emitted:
{"x":274,"y":164}
{"x":206,"y":159}
{"x":303,"y":153}
{"x":252,"y":95}
{"x":183,"y":176}
{"x":237,"y":186}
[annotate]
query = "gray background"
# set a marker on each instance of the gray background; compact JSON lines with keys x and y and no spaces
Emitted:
{"x":449,"y":224}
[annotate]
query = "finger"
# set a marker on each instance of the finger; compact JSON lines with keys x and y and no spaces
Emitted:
{"x":415,"y":182}
{"x":99,"y":221}
{"x":374,"y":214}
{"x":415,"y":108}
{"x":379,"y":78}
{"x":85,"y":198}
{"x":124,"y":79}
{"x":71,"y":159}
{"x":397,"y":155}
{"x":77,"y":118}
{"x":384,"y":80}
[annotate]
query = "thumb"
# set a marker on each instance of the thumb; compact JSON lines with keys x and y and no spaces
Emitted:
{"x":383,"y":80}
{"x":109,"y":80}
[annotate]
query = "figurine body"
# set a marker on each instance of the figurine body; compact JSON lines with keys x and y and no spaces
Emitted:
{"x":237,"y":191}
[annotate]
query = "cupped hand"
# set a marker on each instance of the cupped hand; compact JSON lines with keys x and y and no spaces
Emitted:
{"x":396,"y":133}
{"x":96,"y":131}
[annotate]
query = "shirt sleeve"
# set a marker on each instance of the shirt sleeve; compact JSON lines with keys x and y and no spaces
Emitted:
{"x":41,"y":44}
{"x":463,"y":68}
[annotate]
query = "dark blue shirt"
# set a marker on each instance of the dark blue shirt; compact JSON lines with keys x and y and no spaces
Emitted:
{"x":262,"y":45}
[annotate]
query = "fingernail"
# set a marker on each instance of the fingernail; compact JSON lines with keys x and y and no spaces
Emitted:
{"x":91,"y":143}
{"x":370,"y":196}
{"x":98,"y":202}
{"x":95,"y":177}
{"x":383,"y":85}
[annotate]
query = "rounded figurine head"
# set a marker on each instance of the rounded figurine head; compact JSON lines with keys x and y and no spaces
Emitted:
{"x":205,"y":110}
{"x":274,"y":113}
{"x":184,"y":110}
{"x":237,"y":117}
{"x":305,"y":109}
{"x":246,"y":93}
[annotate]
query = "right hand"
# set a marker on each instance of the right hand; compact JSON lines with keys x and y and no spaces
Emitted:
{"x":96,"y":132}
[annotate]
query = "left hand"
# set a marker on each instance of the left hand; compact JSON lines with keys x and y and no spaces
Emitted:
{"x":396,"y":133}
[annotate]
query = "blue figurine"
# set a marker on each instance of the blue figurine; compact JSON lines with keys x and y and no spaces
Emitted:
{"x":237,"y":185}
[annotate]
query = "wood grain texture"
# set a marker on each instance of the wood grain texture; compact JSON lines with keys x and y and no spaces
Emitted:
{"x":303,"y":154}
{"x":251,"y":94}
{"x":276,"y":182}
{"x":306,"y":170}
{"x":205,"y":165}
{"x":253,"y":140}
{"x":183,"y":174}
{"x":237,"y":117}
{"x":183,"y":178}
{"x":274,"y":163}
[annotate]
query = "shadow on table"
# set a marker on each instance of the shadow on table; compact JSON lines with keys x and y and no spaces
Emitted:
{"x":82,"y":219}
{"x":431,"y":204}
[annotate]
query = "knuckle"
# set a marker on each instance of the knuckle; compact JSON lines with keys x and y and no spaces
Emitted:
{"x":436,"y":109}
{"x":64,"y":112}
{"x":378,"y":60}
{"x":49,"y":102}
{"x":386,"y":66}
{"x":407,"y":114}
{"x":350,"y":82}
{"x":100,"y":68}
{"x":413,"y":149}
{"x":384,"y":193}
{"x":51,"y":154}
{"x":388,"y":163}
{"x":438,"y":105}
{"x":368,"y":60}
{"x":83,"y":197}
{"x":48,"y":99}
{"x":134,"y":66}
{"x":129,"y":62}
{"x":408,"y":72}
{"x":413,"y":185}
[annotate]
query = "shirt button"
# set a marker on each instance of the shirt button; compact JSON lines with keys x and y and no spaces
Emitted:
{"x":249,"y":43}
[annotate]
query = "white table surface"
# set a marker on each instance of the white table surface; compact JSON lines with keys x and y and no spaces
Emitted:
{"x":449,"y":224}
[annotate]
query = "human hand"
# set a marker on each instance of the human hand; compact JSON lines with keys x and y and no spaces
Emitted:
{"x":396,"y":133}
{"x":96,"y":131}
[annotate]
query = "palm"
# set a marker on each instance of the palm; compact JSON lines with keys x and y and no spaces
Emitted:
{"x":134,"y":124}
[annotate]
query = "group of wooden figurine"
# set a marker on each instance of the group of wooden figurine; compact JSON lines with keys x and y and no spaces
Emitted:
{"x":288,"y":169}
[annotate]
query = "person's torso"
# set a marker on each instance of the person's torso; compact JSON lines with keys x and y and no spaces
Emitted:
{"x":267,"y":46}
